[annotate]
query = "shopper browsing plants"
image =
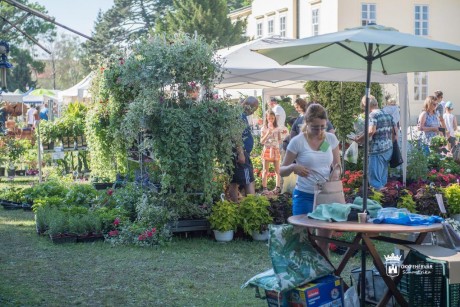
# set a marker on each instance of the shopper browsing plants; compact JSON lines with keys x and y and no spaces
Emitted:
{"x":271,"y":139}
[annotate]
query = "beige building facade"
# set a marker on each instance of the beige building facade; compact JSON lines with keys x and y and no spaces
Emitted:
{"x":434,"y":19}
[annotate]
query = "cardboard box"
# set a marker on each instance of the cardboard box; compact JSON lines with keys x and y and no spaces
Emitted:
{"x":275,"y":299}
{"x":323,"y":292}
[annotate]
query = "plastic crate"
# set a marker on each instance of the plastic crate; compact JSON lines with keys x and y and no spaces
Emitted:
{"x":431,"y":288}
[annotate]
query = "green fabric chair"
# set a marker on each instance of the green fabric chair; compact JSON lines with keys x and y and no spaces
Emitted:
{"x":295,"y":262}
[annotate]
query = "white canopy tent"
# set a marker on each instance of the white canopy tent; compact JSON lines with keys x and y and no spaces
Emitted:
{"x":246,"y":69}
{"x":78,"y":92}
{"x":11,"y":97}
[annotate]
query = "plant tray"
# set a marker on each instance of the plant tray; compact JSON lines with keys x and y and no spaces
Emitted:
{"x":102,"y":185}
{"x":430,"y":289}
{"x":10,"y":205}
{"x":189,"y":225}
{"x":90,"y":238}
{"x":60,"y":239}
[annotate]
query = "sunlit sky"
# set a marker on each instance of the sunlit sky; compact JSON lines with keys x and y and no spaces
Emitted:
{"x":79,"y":15}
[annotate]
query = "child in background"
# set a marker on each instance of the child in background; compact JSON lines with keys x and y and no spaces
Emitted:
{"x":271,"y":139}
{"x":451,"y":125}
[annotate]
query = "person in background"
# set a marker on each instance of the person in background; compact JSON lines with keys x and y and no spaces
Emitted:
{"x":243,"y":173}
{"x":280,"y":116}
{"x":451,"y":125}
{"x":383,"y":132}
{"x":428,"y":123}
{"x":314,"y":151}
{"x":279,"y":112}
{"x":300,"y":106}
{"x":30,"y":116}
{"x":44,"y":112}
{"x":392,"y":108}
{"x":440,"y":109}
{"x":271,"y":139}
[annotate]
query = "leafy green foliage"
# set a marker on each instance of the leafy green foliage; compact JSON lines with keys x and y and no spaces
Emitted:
{"x":224,"y":216}
{"x":20,"y":75}
{"x":144,"y":101}
{"x":406,"y":201}
{"x":126,"y":21}
{"x":452,"y":194}
{"x":417,"y":163}
{"x":425,"y":200}
{"x":80,"y":194}
{"x":342,"y":100}
{"x":14,"y":148}
{"x":254,"y":213}
{"x":207,"y":17}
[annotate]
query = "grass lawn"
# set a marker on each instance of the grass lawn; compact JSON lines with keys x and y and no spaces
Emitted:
{"x":193,"y":271}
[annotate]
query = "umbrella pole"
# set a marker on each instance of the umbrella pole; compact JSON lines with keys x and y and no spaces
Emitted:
{"x":365,"y":169}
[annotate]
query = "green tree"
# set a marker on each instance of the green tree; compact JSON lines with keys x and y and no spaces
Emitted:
{"x":207,"y":17}
{"x":122,"y":25}
{"x":236,"y":4}
{"x":65,"y":64}
{"x":342,"y":101}
{"x":20,"y":76}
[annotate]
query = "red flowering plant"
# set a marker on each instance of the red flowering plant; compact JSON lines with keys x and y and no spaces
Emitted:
{"x":442,"y":177}
{"x":128,"y":233}
{"x":352,"y":181}
{"x":391,"y":193}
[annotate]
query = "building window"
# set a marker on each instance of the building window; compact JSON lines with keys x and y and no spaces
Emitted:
{"x":315,"y":21}
{"x":368,"y":14}
{"x":270,"y":27}
{"x":421,"y":20}
{"x":283,"y":26}
{"x":420,"y":86}
{"x":259,"y":29}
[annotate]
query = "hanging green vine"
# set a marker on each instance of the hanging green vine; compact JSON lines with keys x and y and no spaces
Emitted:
{"x":150,"y":94}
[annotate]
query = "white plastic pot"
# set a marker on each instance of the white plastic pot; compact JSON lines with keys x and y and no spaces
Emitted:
{"x":260,"y":236}
{"x":223,"y":236}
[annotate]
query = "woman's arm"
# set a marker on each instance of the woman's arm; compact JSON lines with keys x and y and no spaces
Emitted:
{"x":289,"y":166}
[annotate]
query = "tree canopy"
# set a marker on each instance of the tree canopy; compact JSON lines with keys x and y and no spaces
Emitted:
{"x":207,"y":17}
{"x":123,"y":24}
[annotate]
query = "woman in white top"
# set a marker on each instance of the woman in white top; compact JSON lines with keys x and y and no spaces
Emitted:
{"x":451,"y":125}
{"x":314,"y":151}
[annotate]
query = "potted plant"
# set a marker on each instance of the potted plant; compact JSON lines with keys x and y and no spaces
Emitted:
{"x":452,"y":194}
{"x":255,"y":216}
{"x":224,"y":220}
{"x":59,"y":227}
{"x":13,"y":150}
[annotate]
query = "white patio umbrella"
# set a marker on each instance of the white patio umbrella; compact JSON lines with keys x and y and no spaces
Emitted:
{"x":370,"y":48}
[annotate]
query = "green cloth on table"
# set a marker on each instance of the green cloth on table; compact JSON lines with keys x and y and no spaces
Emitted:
{"x":339,"y":212}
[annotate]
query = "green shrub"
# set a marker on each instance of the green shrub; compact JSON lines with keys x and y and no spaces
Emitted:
{"x":452,"y":194}
{"x":224,"y":216}
{"x":80,"y":195}
{"x":254,"y":214}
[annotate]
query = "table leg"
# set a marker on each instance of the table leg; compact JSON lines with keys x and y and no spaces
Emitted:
{"x":388,"y":281}
{"x":349,"y":254}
